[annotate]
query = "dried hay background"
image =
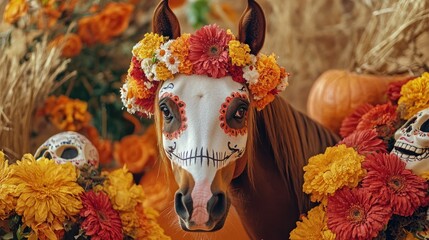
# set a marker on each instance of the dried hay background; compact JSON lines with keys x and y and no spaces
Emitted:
{"x":312,"y":36}
{"x":24,"y":86}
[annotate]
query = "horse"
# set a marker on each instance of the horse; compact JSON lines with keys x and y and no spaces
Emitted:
{"x":222,"y":150}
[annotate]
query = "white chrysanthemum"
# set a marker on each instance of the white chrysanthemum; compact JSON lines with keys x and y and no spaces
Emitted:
{"x":250,"y":74}
{"x":147,"y":65}
{"x":172,"y":64}
{"x":283,"y":83}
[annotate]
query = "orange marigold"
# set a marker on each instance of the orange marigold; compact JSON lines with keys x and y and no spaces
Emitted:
{"x":70,"y":44}
{"x":180,"y":49}
{"x":260,"y":104}
{"x":136,"y":152}
{"x":116,"y":16}
{"x":67,"y":114}
{"x":48,"y":17}
{"x":91,"y":30}
{"x":136,"y":89}
{"x":269,"y":75}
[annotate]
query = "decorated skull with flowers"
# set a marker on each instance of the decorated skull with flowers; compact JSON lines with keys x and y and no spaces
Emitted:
{"x":363,"y":191}
{"x":210,"y":51}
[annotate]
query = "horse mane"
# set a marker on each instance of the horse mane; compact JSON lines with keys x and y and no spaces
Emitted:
{"x":292,"y":138}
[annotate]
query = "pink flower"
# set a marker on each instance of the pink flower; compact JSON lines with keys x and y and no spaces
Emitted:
{"x":356,"y":214}
{"x":365,"y":142}
{"x":208,"y":51}
{"x":395,"y":185}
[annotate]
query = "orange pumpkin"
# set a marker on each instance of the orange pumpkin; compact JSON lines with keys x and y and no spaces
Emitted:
{"x":336,"y":93}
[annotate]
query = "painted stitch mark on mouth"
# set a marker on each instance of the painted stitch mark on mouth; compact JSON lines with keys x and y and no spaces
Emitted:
{"x":199,"y":154}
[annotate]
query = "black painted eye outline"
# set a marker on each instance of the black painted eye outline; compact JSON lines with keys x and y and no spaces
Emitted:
{"x":174,"y":114}
{"x":233,"y":114}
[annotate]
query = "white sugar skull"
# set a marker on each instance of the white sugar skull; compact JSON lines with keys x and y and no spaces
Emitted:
{"x":69,"y":147}
{"x":412,"y":142}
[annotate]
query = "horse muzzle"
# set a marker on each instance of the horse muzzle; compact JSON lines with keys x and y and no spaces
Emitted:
{"x":201,"y":212}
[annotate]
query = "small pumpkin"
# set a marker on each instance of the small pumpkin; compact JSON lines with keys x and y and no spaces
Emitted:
{"x":336,"y":93}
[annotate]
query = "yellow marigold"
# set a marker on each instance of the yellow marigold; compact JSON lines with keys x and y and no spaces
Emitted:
{"x":149,"y":227}
{"x":136,"y":89}
{"x":14,"y":10}
{"x":269,"y":75}
{"x":414,"y":96}
{"x":162,"y":72}
{"x":130,"y":223}
{"x":239,"y":53}
{"x":124,"y":194}
{"x":180,"y":49}
{"x":7,"y":190}
{"x":325,"y":173}
{"x":47,"y":193}
{"x":147,"y":46}
{"x":260,"y":104}
{"x":313,"y":226}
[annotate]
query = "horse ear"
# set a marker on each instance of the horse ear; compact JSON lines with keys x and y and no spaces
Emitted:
{"x":164,"y":22}
{"x":251,"y":28}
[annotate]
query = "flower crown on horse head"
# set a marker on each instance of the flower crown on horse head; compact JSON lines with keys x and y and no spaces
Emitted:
{"x":210,"y":51}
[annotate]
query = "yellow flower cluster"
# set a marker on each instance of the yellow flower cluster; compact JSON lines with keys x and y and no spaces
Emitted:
{"x":162,"y":72}
{"x":127,"y":198}
{"x":339,"y":166}
{"x":148,"y":45}
{"x":7,"y":190}
{"x":414,"y":96}
{"x":313,"y":226}
{"x":46,"y":194}
{"x":239,"y":53}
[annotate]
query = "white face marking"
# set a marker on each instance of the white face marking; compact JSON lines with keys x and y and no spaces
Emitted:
{"x":412,"y":142}
{"x":212,"y":132}
{"x":202,"y":146}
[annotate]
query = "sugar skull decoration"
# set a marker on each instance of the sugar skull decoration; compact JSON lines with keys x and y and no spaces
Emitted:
{"x":412,"y":142}
{"x":69,"y":147}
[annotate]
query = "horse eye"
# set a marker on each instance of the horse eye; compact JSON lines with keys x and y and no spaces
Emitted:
{"x":240,"y":113}
{"x":166,"y":112}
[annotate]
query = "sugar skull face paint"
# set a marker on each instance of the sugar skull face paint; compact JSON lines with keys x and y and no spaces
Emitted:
{"x":204,"y":130}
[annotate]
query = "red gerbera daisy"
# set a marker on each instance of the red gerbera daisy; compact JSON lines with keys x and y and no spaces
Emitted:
{"x":365,"y":142}
{"x":394,"y":90}
{"x":395,"y":185}
{"x":208,"y":51}
{"x":382,"y":117}
{"x":101,"y":221}
{"x":349,"y":124}
{"x":356,"y":214}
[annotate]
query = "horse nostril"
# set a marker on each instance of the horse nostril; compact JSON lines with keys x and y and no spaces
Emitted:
{"x":217,"y":205}
{"x":183,"y":205}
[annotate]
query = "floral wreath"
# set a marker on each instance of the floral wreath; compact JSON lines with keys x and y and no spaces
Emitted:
{"x":210,"y":51}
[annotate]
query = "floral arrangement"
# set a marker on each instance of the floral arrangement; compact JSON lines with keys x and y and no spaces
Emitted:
{"x":210,"y":51}
{"x":45,"y":200}
{"x":364,"y":192}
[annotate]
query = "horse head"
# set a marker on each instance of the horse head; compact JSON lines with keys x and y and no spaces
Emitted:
{"x":202,"y":115}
